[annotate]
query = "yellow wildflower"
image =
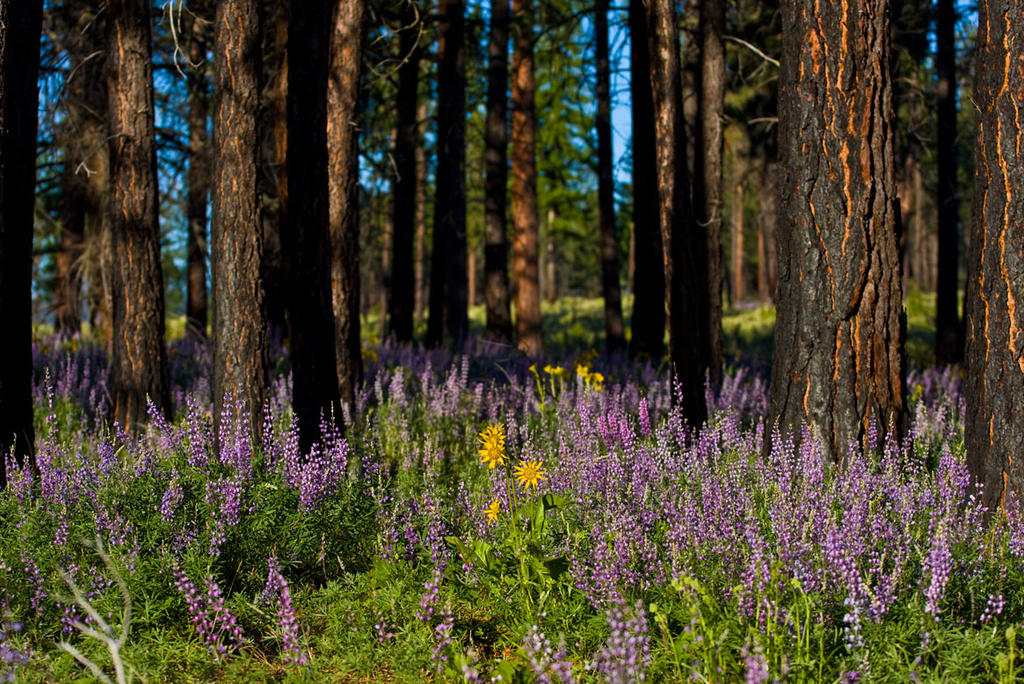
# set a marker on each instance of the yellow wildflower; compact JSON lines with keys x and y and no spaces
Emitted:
{"x":596,"y":380}
{"x":493,"y":510}
{"x":554,"y":371}
{"x":530,"y":473}
{"x":492,"y":445}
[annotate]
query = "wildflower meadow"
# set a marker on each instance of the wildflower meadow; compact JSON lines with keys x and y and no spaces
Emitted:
{"x":480,"y":519}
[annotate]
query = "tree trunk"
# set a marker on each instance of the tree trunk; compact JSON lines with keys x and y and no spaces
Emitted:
{"x":448,"y":314}
{"x":496,"y":287}
{"x":838,"y":365}
{"x":525,"y":248}
{"x":949,"y":336}
{"x":275,"y":174}
{"x":614,"y":332}
{"x":402,"y":291}
{"x":550,"y":281}
{"x":346,"y":49}
{"x":685,"y":251}
{"x":471,"y":276}
{"x":648,"y":323}
{"x":767,"y":232}
{"x":738,"y":283}
{"x":707,"y":164}
{"x":420,"y":266}
{"x":138,"y":357}
{"x":307,"y":238}
{"x":994,"y":429}
{"x":198,"y":180}
{"x":239,"y":313}
{"x":20,"y":27}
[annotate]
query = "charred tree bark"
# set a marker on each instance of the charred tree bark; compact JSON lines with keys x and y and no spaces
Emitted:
{"x":198,"y":180}
{"x":707,"y":165}
{"x":685,"y":251}
{"x":526,"y":225}
{"x":995,"y":320}
{"x":239,"y":313}
{"x":838,"y":365}
{"x":138,"y":358}
{"x":949,"y":336}
{"x":648,"y":323}
{"x":307,"y":238}
{"x":448,"y":311}
{"x":614,"y":332}
{"x":275,"y":169}
{"x":343,"y":173}
{"x":401,"y":294}
{"x":20,"y":27}
{"x":496,"y":286}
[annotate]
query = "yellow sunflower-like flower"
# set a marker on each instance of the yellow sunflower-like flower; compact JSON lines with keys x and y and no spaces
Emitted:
{"x":492,"y":445}
{"x":530,"y":473}
{"x":493,"y":510}
{"x":554,"y":371}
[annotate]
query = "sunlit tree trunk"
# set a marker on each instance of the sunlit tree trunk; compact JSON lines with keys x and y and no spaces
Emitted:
{"x":838,"y":364}
{"x":138,"y":360}
{"x":346,"y":49}
{"x":994,"y":430}
{"x":525,"y":247}
{"x":236,"y":255}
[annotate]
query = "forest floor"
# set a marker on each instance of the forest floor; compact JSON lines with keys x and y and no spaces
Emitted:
{"x":483,"y":517}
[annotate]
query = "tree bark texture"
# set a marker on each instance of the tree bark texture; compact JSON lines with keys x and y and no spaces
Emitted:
{"x":685,"y":250}
{"x":525,"y":221}
{"x":496,"y":285}
{"x":994,"y":430}
{"x":307,"y":238}
{"x":198,"y":179}
{"x":138,"y":358}
{"x":614,"y":332}
{"x":838,"y":364}
{"x":343,"y":174}
{"x":648,"y":323}
{"x":448,"y":310}
{"x":20,"y":27}
{"x":401,"y":294}
{"x":949,"y":336}
{"x":275,"y":169}
{"x":707,"y":165}
{"x":420,"y":267}
{"x":239,"y":314}
{"x":736,"y":243}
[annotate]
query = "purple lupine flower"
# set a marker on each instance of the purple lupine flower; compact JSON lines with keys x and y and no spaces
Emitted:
{"x":544,"y":660}
{"x":278,"y":592}
{"x":627,"y":651}
{"x":214,"y":622}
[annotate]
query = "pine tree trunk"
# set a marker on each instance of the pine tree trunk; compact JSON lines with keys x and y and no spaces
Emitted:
{"x":402,"y":291}
{"x":307,"y":237}
{"x":448,"y":314}
{"x":20,"y":27}
{"x":67,"y":300}
{"x":275,"y":169}
{"x":768,"y":231}
{"x":138,"y":358}
{"x":198,"y":180}
{"x":614,"y":332}
{"x":525,"y":245}
{"x":994,"y":429}
{"x":496,"y":286}
{"x":707,"y":165}
{"x":648,"y":323}
{"x":346,"y":50}
{"x":838,"y":365}
{"x":420,"y":267}
{"x":685,"y":251}
{"x":738,"y":282}
{"x":549,"y":285}
{"x":949,"y":336}
{"x":236,"y":255}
